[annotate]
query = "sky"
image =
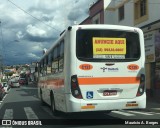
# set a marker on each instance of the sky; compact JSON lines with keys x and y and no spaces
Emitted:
{"x":29,"y":26}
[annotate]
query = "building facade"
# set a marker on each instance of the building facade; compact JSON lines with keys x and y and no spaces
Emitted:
{"x":139,"y":13}
{"x":96,"y":12}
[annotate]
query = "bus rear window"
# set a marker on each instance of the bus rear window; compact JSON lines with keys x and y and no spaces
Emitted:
{"x":107,"y":45}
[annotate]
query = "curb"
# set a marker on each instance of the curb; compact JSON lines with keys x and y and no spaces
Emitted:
{"x":156,"y":110}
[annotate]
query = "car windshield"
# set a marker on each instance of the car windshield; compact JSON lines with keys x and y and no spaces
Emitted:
{"x":14,"y":81}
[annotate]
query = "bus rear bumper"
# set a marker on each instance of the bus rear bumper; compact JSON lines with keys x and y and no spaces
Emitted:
{"x":79,"y":105}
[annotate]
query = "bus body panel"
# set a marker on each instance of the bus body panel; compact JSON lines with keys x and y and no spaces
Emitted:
{"x":117,"y":80}
{"x":96,"y":79}
{"x":118,"y":77}
{"x":80,"y":105}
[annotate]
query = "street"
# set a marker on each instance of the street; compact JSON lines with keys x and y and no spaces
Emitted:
{"x":23,"y":104}
{"x":80,"y":63}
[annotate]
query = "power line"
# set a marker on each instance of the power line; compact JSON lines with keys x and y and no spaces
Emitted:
{"x":32,"y":15}
{"x":130,"y":1}
{"x":1,"y":57}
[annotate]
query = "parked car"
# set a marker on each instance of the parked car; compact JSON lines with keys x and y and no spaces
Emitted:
{"x":22,"y":81}
{"x":2,"y":92}
{"x":14,"y":84}
{"x":6,"y":87}
{"x":9,"y":82}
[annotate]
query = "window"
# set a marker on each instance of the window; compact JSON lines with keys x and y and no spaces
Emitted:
{"x":85,"y":49}
{"x":96,"y":19}
{"x":61,"y":60}
{"x":121,"y":13}
{"x":140,"y":11}
{"x":142,"y":8}
{"x":55,"y":66}
{"x":62,"y":48}
{"x":42,"y":68}
{"x":49,"y":58}
{"x":55,"y":53}
{"x":46,"y":58}
{"x":58,"y":50}
{"x":55,"y":60}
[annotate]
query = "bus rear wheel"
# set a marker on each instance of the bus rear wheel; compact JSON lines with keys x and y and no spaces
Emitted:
{"x":41,"y":98}
{"x":54,"y":111}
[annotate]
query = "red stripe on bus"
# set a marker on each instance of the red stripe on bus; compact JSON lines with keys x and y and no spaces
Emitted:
{"x":55,"y":83}
{"x":109,"y":80}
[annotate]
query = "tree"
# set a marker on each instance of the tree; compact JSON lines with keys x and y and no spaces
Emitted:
{"x":8,"y":73}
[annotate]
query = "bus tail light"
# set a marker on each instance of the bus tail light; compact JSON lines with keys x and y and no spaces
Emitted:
{"x":141,"y":88}
{"x":76,"y":92}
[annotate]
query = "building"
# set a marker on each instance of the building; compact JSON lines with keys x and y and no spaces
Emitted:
{"x":34,"y":72}
{"x":96,"y":12}
{"x":139,"y":13}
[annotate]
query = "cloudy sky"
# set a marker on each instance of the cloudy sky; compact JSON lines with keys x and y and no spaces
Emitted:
{"x":29,"y":26}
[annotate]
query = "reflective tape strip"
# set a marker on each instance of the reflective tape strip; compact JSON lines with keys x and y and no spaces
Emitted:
{"x":108,"y":80}
{"x":88,"y":107}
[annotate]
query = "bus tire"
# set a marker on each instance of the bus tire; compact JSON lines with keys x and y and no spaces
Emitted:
{"x":41,"y":98}
{"x":54,"y":111}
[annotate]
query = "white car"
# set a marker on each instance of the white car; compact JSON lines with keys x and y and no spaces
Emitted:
{"x":15,"y":84}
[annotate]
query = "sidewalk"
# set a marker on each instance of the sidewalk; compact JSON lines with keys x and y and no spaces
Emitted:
{"x":153,"y":105}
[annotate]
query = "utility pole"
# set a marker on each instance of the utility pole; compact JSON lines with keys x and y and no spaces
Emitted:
{"x":0,"y":58}
{"x":1,"y":49}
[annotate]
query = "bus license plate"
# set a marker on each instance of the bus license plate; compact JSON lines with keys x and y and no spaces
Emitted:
{"x":109,"y":93}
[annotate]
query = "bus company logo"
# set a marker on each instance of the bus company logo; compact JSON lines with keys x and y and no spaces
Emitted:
{"x":104,"y":68}
{"x":86,"y":66}
{"x":110,"y":69}
{"x":113,"y":69}
{"x":133,"y":67}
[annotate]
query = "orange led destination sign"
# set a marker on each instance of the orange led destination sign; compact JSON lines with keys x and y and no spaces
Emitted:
{"x":109,"y":46}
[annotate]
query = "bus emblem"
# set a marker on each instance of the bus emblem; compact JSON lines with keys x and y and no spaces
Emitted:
{"x":89,"y":95}
{"x":104,"y":69}
{"x":86,"y":66}
{"x":133,"y":67}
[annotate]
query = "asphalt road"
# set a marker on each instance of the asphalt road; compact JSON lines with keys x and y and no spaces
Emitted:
{"x":23,"y":104}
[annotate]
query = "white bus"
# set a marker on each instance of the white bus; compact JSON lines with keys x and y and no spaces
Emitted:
{"x":94,"y":68}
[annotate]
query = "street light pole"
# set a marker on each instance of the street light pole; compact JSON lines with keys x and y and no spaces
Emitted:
{"x":1,"y":65}
{"x":1,"y":44}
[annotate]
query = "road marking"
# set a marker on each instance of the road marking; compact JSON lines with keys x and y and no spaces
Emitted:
{"x":155,"y":108}
{"x":123,"y":113}
{"x":5,"y":96}
{"x":30,"y":113}
{"x":143,"y":113}
{"x":153,"y":113}
{"x":8,"y":114}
